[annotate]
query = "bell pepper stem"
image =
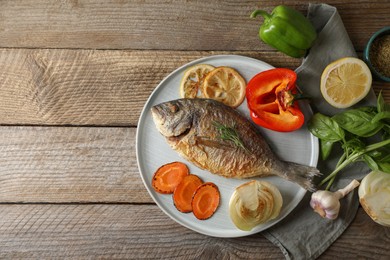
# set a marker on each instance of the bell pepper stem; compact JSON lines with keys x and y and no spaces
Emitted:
{"x":263,"y":13}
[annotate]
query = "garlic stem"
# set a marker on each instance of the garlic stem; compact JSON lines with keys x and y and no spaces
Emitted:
{"x":341,"y":193}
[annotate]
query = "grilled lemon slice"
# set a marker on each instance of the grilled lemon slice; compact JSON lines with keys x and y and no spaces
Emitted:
{"x":192,"y":80}
{"x":226,"y":85}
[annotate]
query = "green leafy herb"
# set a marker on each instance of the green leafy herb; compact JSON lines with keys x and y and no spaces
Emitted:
{"x":327,"y":130}
{"x":382,"y":106}
{"x":353,"y":130}
{"x":359,"y":121}
{"x":230,"y":134}
{"x":381,"y":116}
{"x":326,"y":148}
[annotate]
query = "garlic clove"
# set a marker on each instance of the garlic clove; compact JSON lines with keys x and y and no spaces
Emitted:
{"x":327,"y":203}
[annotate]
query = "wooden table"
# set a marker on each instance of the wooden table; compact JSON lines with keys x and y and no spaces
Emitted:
{"x":74,"y":77}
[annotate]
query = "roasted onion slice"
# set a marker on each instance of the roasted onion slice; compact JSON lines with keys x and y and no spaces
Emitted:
{"x":374,"y":196}
{"x":253,"y":203}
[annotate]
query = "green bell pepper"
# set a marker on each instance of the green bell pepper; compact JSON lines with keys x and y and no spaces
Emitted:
{"x":287,"y":30}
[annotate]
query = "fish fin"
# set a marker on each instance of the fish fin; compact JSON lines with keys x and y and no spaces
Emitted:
{"x":302,"y":174}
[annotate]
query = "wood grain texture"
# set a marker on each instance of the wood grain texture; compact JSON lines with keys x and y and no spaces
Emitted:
{"x":95,"y":87}
{"x":113,"y":231}
{"x":155,"y":24}
{"x":89,"y":87}
{"x":74,"y":77}
{"x":364,"y":239}
{"x":69,"y":165}
{"x":95,"y":165}
{"x":129,"y":231}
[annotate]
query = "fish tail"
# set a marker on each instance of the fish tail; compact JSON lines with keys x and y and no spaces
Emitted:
{"x":301,"y":174}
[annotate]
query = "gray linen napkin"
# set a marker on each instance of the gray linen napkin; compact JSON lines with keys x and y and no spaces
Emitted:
{"x":304,"y":234}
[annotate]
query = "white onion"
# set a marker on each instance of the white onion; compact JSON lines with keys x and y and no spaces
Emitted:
{"x":254,"y":203}
{"x":374,"y":196}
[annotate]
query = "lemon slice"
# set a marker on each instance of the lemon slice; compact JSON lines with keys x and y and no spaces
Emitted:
{"x":192,"y":80}
{"x":345,"y":82}
{"x":226,"y":85}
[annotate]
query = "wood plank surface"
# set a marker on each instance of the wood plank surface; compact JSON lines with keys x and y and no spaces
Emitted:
{"x":129,"y":231}
{"x":95,"y":87}
{"x":155,"y":24}
{"x":69,"y":165}
{"x":75,"y":165}
{"x":112,"y":231}
{"x":89,"y":87}
{"x":74,"y":77}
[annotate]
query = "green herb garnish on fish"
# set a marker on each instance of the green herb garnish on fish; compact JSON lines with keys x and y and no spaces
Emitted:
{"x":229,"y":134}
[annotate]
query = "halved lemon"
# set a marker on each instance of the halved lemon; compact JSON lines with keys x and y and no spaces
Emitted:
{"x":226,"y":85}
{"x":192,"y":80}
{"x":345,"y":82}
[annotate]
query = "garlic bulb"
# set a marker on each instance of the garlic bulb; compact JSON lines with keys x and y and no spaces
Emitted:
{"x":254,"y":203}
{"x":327,"y":204}
{"x":374,"y":196}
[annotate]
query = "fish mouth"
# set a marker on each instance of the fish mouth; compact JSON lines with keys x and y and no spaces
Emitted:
{"x":158,"y":117}
{"x":156,"y":114}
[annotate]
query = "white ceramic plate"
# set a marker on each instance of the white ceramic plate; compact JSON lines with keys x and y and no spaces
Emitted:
{"x":153,"y":151}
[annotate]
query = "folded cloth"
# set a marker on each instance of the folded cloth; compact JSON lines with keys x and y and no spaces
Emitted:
{"x":304,"y":234}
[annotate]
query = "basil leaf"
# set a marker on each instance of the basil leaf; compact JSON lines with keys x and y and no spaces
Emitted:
{"x":381,"y":104}
{"x":325,"y":128}
{"x":384,"y":167}
{"x":382,"y":158}
{"x":375,"y":154}
{"x":367,"y":109}
{"x":370,"y":162}
{"x":353,"y":145}
{"x":358,"y":122}
{"x":381,"y":116}
{"x":326,"y":148}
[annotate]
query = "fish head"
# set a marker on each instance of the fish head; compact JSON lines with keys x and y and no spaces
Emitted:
{"x":172,"y":118}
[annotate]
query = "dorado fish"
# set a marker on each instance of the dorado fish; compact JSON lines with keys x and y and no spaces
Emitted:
{"x":219,"y":139}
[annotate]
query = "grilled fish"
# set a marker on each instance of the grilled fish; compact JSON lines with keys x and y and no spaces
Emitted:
{"x":200,"y":130}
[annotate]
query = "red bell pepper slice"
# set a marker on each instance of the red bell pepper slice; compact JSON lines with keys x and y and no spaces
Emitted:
{"x":270,"y":96}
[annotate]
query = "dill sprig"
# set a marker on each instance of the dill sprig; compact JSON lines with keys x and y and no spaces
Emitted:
{"x":230,"y":134}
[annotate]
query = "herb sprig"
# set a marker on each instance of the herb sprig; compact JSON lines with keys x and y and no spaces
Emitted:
{"x":352,"y":129}
{"x":229,"y":134}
